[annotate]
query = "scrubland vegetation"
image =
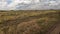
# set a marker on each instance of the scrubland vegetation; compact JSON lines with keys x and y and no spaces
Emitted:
{"x":28,"y":22}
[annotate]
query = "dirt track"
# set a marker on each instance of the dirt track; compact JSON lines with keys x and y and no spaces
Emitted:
{"x":55,"y":29}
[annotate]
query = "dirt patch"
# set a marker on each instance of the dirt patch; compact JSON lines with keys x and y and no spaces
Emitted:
{"x":56,"y":30}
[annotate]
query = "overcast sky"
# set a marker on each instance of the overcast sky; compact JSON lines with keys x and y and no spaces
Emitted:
{"x":29,"y":4}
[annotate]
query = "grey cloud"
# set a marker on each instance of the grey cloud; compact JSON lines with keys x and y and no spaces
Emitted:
{"x":41,"y":5}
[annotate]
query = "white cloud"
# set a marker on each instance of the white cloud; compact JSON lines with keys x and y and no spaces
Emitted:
{"x":16,"y":2}
{"x":3,"y":5}
{"x":28,"y":4}
{"x":53,"y":3}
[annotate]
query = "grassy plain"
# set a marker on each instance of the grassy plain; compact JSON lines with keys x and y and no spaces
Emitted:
{"x":27,"y":22}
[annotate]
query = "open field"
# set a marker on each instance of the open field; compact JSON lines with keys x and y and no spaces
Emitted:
{"x":28,"y":22}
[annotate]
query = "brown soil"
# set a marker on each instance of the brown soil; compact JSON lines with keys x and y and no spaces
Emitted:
{"x":55,"y":29}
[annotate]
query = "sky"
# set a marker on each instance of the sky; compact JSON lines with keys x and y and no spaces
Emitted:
{"x":29,"y":4}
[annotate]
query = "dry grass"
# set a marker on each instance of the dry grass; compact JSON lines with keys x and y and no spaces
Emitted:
{"x":31,"y":25}
{"x":13,"y":15}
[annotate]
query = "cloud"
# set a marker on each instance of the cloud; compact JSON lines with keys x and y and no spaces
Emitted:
{"x":3,"y":5}
{"x":8,"y":1}
{"x":28,"y":4}
{"x":53,"y":3}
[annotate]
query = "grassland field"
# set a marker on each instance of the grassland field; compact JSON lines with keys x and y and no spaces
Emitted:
{"x":28,"y":22}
